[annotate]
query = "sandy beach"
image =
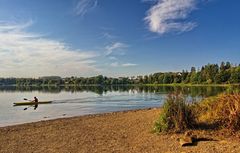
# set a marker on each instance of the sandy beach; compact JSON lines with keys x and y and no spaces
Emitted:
{"x":119,"y":132}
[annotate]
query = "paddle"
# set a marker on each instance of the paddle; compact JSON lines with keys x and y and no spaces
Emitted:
{"x":26,"y":99}
{"x":29,"y":105}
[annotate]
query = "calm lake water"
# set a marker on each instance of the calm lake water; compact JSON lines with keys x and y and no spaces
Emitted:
{"x":76,"y":101}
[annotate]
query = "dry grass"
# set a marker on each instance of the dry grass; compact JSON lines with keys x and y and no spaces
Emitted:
{"x":219,"y":112}
{"x":223,"y":110}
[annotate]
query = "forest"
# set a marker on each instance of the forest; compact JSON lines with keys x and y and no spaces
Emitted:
{"x":225,"y":73}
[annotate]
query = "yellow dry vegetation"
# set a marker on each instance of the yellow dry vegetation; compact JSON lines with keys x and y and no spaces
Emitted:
{"x":222,"y":110}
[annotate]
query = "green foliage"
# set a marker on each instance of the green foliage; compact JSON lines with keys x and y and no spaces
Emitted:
{"x":168,"y":78}
{"x":176,"y":115}
{"x":209,"y":74}
{"x":235,"y":75}
{"x":161,"y":125}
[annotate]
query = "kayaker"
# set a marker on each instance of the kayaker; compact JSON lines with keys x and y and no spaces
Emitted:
{"x":35,"y":100}
{"x":36,"y":103}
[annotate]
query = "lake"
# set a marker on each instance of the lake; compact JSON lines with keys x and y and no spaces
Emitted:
{"x":76,"y":101}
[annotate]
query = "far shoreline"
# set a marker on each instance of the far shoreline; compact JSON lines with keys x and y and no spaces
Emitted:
{"x":102,"y":85}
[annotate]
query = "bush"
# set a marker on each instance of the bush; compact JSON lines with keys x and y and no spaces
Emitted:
{"x":176,"y":115}
{"x":224,"y":110}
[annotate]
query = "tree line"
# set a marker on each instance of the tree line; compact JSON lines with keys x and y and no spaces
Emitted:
{"x":225,"y":73}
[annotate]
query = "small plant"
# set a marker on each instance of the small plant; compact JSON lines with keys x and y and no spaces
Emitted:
{"x":176,"y":115}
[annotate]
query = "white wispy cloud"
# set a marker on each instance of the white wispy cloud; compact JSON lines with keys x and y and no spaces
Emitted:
{"x":83,"y":6}
{"x":116,"y":46}
{"x":129,"y":64}
{"x":25,"y":54}
{"x":5,"y":26}
{"x":107,"y":35}
{"x":114,"y":64}
{"x":117,"y":64}
{"x":168,"y":16}
{"x":112,"y":58}
{"x":114,"y":50}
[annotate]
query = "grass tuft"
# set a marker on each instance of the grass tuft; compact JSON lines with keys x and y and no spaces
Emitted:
{"x":176,"y":115}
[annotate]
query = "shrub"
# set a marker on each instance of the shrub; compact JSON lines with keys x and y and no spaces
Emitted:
{"x":176,"y":115}
{"x":204,"y":110}
{"x":223,"y":110}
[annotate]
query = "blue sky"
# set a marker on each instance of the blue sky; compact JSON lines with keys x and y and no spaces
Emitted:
{"x":115,"y":37}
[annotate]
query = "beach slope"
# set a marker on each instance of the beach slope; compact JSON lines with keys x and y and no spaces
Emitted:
{"x":124,"y":132}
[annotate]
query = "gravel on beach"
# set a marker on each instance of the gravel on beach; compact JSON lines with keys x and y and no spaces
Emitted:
{"x":119,"y":132}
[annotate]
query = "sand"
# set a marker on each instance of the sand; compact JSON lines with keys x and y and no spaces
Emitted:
{"x":119,"y":132}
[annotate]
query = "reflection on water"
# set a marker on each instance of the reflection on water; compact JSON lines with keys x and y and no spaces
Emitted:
{"x":203,"y":91}
{"x":81,"y":100}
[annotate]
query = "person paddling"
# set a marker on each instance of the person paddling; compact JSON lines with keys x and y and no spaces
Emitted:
{"x":35,"y":100}
{"x":36,"y":103}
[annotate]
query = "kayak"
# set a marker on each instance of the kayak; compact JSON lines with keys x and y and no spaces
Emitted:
{"x":31,"y":103}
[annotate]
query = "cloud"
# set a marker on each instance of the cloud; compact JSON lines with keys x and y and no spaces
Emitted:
{"x":84,"y":6}
{"x":112,"y":58}
{"x":108,"y":35}
{"x":5,"y":27}
{"x":117,"y":46}
{"x":116,"y":49}
{"x":129,"y":64}
{"x":25,"y":54}
{"x":168,"y":16}
{"x":116,"y":64}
